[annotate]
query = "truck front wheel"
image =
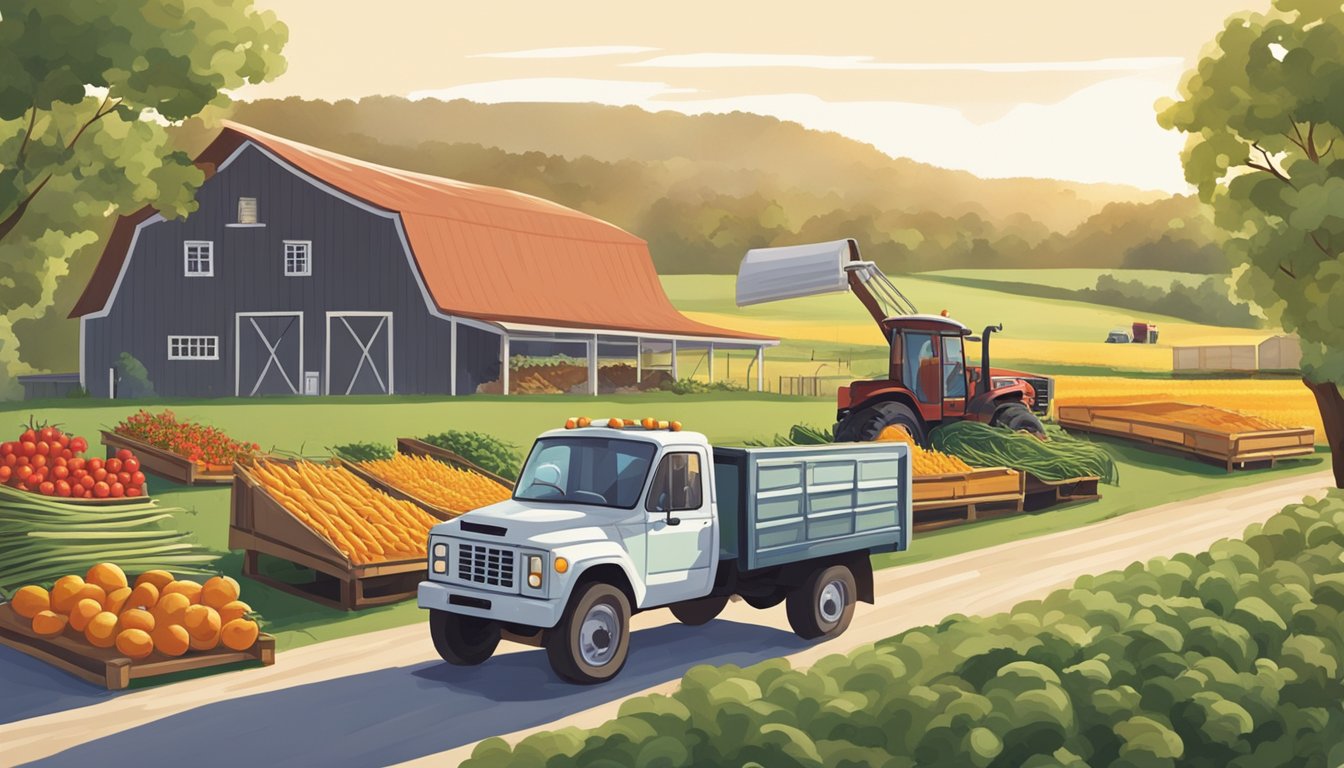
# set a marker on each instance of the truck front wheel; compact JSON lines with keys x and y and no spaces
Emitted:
{"x":463,"y":640}
{"x":591,"y":642}
{"x":823,"y":605}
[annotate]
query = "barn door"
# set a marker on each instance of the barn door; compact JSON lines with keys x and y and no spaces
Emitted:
{"x":269,"y":353}
{"x":359,"y":353}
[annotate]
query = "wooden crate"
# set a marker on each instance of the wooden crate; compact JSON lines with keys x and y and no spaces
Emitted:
{"x":1041,"y":494}
{"x":107,"y":666}
{"x":166,"y":464}
{"x":441,"y":513}
{"x":955,"y":498}
{"x":410,"y":445}
{"x":260,"y":525}
{"x":1154,"y":424}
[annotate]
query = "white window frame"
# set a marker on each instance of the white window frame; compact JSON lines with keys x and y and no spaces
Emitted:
{"x":192,"y":347}
{"x":307,"y":270}
{"x":209,"y":257}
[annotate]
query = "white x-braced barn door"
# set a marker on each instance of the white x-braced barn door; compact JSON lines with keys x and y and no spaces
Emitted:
{"x":268,"y":353}
{"x":359,"y":353}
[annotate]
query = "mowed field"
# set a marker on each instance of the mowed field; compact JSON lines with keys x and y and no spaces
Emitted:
{"x":1035,"y":330}
{"x":1049,"y":333}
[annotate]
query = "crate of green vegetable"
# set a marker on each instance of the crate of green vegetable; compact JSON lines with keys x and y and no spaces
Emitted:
{"x":1060,"y":458}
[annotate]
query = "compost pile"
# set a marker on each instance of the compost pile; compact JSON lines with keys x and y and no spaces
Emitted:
{"x":1060,"y":458}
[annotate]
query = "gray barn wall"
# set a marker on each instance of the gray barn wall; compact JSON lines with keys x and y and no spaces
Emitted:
{"x":357,"y":265}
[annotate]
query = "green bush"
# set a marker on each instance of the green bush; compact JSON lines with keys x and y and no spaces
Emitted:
{"x":132,"y":378}
{"x":1230,"y":658}
{"x":363,"y":451}
{"x":693,"y":387}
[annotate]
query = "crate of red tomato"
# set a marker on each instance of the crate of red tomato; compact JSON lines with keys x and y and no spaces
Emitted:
{"x":182,"y":451}
{"x":47,"y":461}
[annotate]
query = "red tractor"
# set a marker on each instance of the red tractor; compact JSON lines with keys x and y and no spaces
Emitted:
{"x":929,"y":381}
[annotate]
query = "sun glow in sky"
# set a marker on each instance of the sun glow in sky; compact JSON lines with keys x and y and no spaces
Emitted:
{"x":1045,"y":88}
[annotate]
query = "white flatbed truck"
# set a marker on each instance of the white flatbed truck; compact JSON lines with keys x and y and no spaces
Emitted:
{"x":608,"y":521}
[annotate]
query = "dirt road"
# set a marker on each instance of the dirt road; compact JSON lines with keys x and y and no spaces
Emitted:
{"x":384,"y":697}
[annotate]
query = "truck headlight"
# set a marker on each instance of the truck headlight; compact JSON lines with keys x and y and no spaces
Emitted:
{"x":440,"y":566}
{"x":440,"y":550}
{"x":534,"y":571}
{"x":438,"y":558}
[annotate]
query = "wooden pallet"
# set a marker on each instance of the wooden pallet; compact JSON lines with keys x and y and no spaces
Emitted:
{"x":259,"y":525}
{"x":1041,"y":494}
{"x":107,"y":666}
{"x":410,"y":445}
{"x":166,"y":464}
{"x":353,"y":468}
{"x":956,"y":498}
{"x":1147,"y":423}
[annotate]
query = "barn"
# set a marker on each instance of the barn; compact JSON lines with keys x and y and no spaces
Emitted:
{"x":306,"y":272}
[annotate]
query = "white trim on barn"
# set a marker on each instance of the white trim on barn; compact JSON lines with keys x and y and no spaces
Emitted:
{"x":238,"y":346}
{"x":389,"y":386}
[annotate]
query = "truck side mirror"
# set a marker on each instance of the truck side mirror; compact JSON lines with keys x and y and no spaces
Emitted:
{"x":672,"y":520}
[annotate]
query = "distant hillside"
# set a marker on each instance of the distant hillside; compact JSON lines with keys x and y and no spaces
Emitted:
{"x":819,"y":162}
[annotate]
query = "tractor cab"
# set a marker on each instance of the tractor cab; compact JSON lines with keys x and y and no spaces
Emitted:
{"x":928,"y":379}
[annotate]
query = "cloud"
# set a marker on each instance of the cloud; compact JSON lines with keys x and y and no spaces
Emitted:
{"x":810,"y":61}
{"x":570,"y":52}
{"x":620,"y":93}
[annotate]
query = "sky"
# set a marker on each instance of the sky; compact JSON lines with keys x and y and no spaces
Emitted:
{"x":1060,"y":89}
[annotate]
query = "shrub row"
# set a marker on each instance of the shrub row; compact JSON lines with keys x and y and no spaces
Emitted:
{"x":1231,"y":658}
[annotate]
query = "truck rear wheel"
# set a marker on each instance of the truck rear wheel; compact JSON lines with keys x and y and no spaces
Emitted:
{"x":693,"y":613}
{"x":463,"y":640}
{"x":865,"y":424}
{"x":592,"y":640}
{"x":823,"y":605}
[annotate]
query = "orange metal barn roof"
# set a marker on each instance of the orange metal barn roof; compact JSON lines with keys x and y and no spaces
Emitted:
{"x":485,"y":253}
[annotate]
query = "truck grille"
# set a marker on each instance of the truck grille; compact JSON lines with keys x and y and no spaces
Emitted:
{"x":1044,"y":392}
{"x":479,"y":564}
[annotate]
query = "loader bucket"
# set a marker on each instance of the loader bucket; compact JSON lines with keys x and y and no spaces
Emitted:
{"x":771,"y":274}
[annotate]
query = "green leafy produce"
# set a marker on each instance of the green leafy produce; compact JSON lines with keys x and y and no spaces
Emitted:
{"x":42,"y":538}
{"x":363,"y":451}
{"x":799,"y":434}
{"x":1229,"y":657}
{"x":488,"y":453}
{"x":694,"y":387}
{"x":1060,"y":458}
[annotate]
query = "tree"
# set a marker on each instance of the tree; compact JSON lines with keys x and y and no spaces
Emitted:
{"x":1263,"y":109}
{"x":87,"y":89}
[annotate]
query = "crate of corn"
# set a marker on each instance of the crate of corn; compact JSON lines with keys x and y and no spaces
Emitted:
{"x":942,"y":479}
{"x":443,"y":490}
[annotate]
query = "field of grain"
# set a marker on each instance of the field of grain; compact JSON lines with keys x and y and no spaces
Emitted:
{"x":1282,"y":401}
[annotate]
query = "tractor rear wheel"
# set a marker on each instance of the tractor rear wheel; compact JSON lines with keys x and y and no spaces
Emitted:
{"x":1017,"y":417}
{"x":865,"y":424}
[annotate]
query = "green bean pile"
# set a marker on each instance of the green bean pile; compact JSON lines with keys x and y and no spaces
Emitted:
{"x":1060,"y":458}
{"x":42,"y":538}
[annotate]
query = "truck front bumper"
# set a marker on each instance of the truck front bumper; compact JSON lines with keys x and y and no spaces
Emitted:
{"x":512,"y":609}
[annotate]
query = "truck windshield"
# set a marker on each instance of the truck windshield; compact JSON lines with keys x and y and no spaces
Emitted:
{"x":608,"y":472}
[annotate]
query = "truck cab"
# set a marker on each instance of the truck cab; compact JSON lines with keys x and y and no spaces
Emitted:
{"x":609,"y":520}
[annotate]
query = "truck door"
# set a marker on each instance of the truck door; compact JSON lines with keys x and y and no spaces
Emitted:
{"x":679,"y":556}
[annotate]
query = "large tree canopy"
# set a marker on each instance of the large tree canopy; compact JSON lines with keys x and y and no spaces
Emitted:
{"x":1264,"y":110}
{"x":87,"y":88}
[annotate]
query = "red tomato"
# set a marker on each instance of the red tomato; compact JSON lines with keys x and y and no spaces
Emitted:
{"x":117,"y":490}
{"x":27,"y":448}
{"x":100,"y":474}
{"x":63,"y":441}
{"x":6,"y":449}
{"x":38,"y":461}
{"x":33,"y":482}
{"x":79,"y":445}
{"x":76,"y":464}
{"x":22,"y":461}
{"x":62,"y":488}
{"x":24,"y":472}
{"x":46,"y":434}
{"x":59,"y":472}
{"x":101,"y":490}
{"x":113,"y":465}
{"x":42,"y":447}
{"x":47,"y":488}
{"x":133,"y":491}
{"x":94,"y":463}
{"x":125,"y":454}
{"x":137,"y":478}
{"x":5,"y":473}
{"x":87,"y":482}
{"x":66,"y":453}
{"x":10,"y":460}
{"x":124,"y":478}
{"x":28,"y":436}
{"x":131,"y":465}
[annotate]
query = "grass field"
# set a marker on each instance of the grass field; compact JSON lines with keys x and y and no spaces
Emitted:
{"x":308,"y":425}
{"x":1041,"y":331}
{"x":1072,"y":279}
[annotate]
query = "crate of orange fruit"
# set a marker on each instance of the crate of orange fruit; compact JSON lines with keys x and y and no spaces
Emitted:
{"x":106,"y":629}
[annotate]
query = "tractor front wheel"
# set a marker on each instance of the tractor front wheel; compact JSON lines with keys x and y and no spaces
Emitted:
{"x":866,"y":424}
{"x":1017,"y":417}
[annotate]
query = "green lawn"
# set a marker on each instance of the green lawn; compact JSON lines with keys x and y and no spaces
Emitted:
{"x":309,"y":425}
{"x":1072,"y":278}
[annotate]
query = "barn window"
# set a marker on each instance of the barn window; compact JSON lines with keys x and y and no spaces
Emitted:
{"x":247,"y":210}
{"x":298,"y":258}
{"x":193,"y":347}
{"x":200,"y":258}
